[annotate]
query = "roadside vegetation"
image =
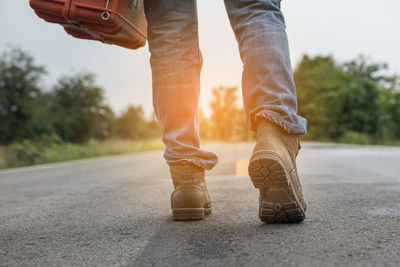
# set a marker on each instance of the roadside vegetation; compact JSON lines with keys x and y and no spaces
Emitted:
{"x":353,"y":102}
{"x":70,"y":120}
{"x":29,"y":152}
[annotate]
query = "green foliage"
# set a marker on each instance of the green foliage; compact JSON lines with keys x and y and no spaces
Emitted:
{"x":316,"y":80}
{"x":19,"y":96}
{"x":23,"y":153}
{"x":79,"y":109}
{"x":29,"y":152}
{"x":47,"y":150}
{"x":353,"y":102}
{"x":356,"y":138}
{"x":133,"y":125}
{"x":75,"y":108}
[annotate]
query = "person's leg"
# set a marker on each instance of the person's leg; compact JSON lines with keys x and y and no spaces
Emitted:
{"x":269,"y":96}
{"x":267,"y":83}
{"x":176,"y":63}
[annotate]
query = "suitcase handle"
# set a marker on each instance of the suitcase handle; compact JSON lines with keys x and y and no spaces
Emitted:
{"x":106,"y":15}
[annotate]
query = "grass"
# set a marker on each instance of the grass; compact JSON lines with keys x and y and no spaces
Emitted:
{"x":27,"y":153}
{"x":2,"y":157}
{"x":30,"y":153}
{"x":353,"y":138}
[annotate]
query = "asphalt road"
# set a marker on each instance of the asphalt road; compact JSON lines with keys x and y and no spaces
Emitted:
{"x":116,"y":211}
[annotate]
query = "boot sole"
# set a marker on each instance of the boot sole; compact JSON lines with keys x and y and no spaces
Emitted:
{"x":190,"y":214}
{"x":278,"y":200}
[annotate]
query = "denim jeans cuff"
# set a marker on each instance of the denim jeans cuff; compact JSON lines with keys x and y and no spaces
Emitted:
{"x":198,"y":162}
{"x":264,"y":114}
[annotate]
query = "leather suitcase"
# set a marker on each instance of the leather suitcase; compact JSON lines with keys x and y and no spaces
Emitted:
{"x":120,"y":22}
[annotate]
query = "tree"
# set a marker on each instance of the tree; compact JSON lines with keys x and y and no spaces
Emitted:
{"x":79,"y":109}
{"x":131,"y":124}
{"x":227,"y":121}
{"x":339,"y":100}
{"x":240,"y":130}
{"x":318,"y":81}
{"x":19,"y":91}
{"x":153,"y":127}
{"x":204,"y":126}
{"x":223,"y":108}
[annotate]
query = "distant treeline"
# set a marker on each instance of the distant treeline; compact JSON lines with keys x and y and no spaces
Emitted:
{"x":357,"y":102}
{"x":72,"y":111}
{"x":354,"y":102}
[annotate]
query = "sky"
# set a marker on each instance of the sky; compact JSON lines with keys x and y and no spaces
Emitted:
{"x":342,"y":28}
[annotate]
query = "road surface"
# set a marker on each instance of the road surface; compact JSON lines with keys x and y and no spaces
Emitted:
{"x":115,"y":211}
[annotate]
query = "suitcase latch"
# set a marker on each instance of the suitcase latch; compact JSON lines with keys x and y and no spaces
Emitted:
{"x":106,"y":15}
{"x":138,"y":4}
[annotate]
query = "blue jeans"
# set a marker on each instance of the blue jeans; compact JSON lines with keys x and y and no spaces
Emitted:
{"x":267,"y":82}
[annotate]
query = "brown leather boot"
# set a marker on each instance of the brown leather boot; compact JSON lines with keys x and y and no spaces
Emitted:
{"x":272,"y":169}
{"x":190,"y":199}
